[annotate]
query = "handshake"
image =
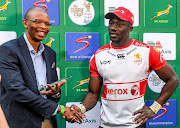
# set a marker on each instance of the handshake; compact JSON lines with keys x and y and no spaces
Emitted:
{"x":72,"y":114}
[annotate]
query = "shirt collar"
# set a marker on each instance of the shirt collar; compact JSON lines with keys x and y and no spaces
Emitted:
{"x":31,"y":49}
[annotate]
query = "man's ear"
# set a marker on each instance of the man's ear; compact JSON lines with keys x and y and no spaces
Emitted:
{"x":130,"y":28}
{"x":25,"y":23}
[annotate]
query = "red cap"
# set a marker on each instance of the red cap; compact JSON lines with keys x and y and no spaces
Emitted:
{"x":122,"y":13}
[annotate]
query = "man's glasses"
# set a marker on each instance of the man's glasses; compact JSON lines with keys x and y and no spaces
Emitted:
{"x":40,"y":22}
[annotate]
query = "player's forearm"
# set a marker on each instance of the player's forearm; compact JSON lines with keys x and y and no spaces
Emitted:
{"x":168,"y":90}
{"x":90,"y":100}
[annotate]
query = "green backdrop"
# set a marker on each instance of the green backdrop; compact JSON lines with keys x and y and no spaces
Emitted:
{"x":72,"y":92}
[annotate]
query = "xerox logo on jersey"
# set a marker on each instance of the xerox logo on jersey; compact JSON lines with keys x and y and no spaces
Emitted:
{"x":81,"y":46}
{"x":51,"y":6}
{"x":117,"y":91}
{"x":134,"y":91}
{"x":121,"y":91}
{"x":81,"y":12}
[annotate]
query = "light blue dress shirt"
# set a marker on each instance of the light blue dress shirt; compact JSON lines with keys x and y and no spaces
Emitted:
{"x":39,"y":66}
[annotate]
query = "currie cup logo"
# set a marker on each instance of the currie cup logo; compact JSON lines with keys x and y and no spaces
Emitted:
{"x":81,"y":12}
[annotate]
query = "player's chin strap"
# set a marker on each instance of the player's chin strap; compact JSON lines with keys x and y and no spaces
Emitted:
{"x":82,"y":108}
{"x":155,"y":107}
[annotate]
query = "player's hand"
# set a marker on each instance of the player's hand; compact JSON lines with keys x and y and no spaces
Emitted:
{"x":72,"y":116}
{"x":74,"y":107}
{"x":53,"y":89}
{"x":76,"y":110}
{"x":145,"y":113}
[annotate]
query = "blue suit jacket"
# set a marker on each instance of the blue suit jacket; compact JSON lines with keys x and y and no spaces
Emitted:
{"x":20,"y":99}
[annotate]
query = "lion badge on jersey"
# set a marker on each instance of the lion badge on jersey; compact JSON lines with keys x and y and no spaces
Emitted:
{"x":138,"y":59}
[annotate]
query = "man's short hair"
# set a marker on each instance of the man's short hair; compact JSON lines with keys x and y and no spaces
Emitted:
{"x":28,"y":13}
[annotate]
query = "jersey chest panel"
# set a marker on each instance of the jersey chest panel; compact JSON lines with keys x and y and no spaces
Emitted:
{"x":123,"y":65}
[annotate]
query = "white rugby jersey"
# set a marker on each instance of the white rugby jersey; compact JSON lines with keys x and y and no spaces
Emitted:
{"x":125,"y":72}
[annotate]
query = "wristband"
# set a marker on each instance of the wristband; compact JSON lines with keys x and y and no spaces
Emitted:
{"x":56,"y":95}
{"x":62,"y":109}
{"x":82,"y":108}
{"x":155,"y":107}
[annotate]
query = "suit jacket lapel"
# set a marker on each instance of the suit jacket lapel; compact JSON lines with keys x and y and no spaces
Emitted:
{"x":27,"y":57}
{"x":48,"y":65}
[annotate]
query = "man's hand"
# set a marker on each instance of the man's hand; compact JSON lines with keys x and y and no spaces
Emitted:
{"x":74,"y":107}
{"x":75,"y":110}
{"x":145,"y":114}
{"x":55,"y":89}
{"x":72,"y":115}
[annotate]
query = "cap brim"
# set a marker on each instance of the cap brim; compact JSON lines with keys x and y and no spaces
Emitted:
{"x":109,"y":15}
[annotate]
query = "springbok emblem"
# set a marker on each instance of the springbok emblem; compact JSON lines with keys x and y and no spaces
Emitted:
{"x":81,"y":82}
{"x":164,"y":12}
{"x":50,"y":41}
{"x":4,"y":7}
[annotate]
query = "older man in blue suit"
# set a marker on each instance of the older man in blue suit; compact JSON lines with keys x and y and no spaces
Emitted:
{"x":26,"y":65}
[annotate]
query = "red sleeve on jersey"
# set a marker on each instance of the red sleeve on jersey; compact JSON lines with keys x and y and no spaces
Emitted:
{"x":156,"y":59}
{"x":92,"y":67}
